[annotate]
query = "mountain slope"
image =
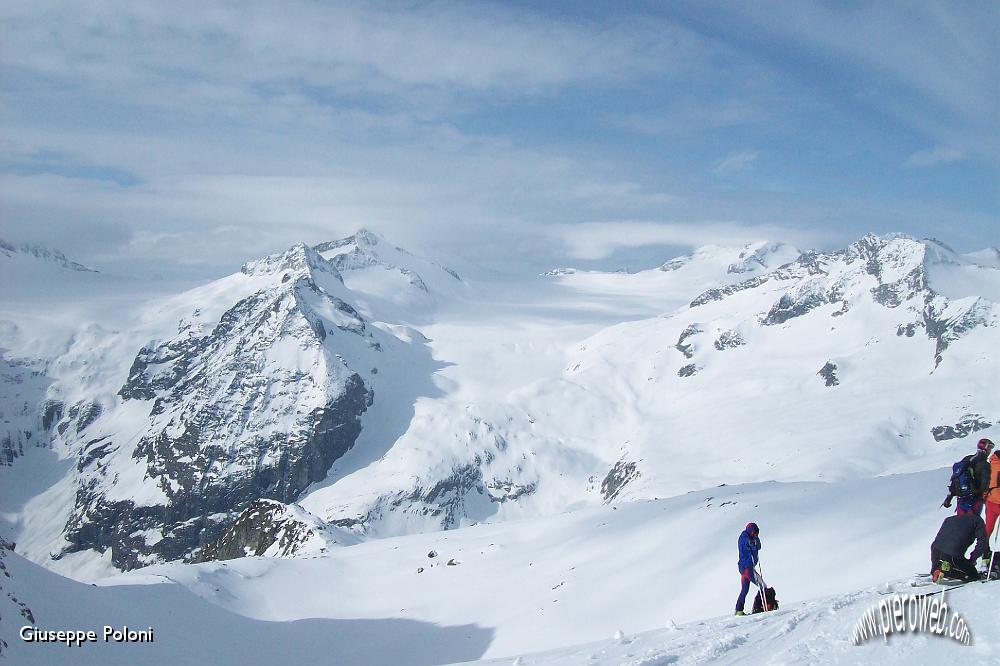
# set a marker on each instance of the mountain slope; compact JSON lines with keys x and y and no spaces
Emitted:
{"x":259,"y":388}
{"x":389,"y":281}
{"x":835,"y":366}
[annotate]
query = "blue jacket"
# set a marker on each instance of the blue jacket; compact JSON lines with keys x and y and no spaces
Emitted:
{"x":748,"y":550}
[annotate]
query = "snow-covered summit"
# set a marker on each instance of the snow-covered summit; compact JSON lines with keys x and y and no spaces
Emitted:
{"x":390,"y":282}
{"x":752,"y":258}
{"x":41,"y":253}
{"x":987,"y":257}
{"x":366,"y":248}
{"x":297,"y":259}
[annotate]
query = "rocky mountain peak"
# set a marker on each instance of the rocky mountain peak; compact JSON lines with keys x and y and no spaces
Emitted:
{"x":256,"y":405}
{"x":299,"y":258}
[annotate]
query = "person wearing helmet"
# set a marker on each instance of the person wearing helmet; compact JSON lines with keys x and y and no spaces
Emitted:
{"x":749,"y":545}
{"x":979,"y":465}
{"x":981,"y":475}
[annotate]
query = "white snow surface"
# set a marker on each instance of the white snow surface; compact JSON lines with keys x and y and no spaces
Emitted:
{"x":534,"y":392}
{"x":659,"y":574}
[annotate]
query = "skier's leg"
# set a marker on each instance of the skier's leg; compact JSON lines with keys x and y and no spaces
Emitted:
{"x":744,"y":589}
{"x":965,"y":567}
{"x":992,"y":512}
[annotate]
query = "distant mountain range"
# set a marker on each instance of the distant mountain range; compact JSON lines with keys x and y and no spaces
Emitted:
{"x":299,"y":405}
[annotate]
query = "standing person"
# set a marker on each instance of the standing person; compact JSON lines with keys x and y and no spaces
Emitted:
{"x":993,"y":495}
{"x":749,"y":545}
{"x":957,"y":533}
{"x":975,"y":480}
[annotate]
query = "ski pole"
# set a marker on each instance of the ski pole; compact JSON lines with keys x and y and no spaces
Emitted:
{"x":763,"y":585}
{"x":989,"y":572}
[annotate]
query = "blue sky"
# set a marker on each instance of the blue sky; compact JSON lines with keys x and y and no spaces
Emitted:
{"x":188,"y":138}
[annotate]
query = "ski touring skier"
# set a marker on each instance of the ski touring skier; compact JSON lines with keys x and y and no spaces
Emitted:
{"x":749,"y":546}
{"x":970,"y":480}
{"x":993,"y":494}
{"x":948,"y":549}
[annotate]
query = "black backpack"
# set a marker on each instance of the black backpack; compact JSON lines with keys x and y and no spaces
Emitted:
{"x":772,"y":601}
{"x":962,"y":478}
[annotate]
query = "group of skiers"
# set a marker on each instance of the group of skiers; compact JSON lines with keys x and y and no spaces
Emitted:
{"x":975,"y":483}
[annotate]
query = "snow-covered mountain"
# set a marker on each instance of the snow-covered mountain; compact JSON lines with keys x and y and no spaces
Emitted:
{"x":388,"y":280}
{"x":257,"y":403}
{"x":246,"y":388}
{"x":49,"y":305}
{"x":40,"y":252}
{"x":260,"y":385}
{"x":863,"y":361}
{"x":339,"y":412}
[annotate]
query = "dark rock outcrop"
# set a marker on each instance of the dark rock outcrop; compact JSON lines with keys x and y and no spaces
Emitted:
{"x":685,"y":347}
{"x":621,"y":474}
{"x":967,"y":425}
{"x":829,"y":373}
{"x":729,"y":340}
{"x":265,"y":525}
{"x":688,"y":370}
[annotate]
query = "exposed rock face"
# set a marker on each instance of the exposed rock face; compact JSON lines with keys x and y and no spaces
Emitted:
{"x":829,"y":373}
{"x":688,"y":370}
{"x":272,"y":529}
{"x":620,"y":475}
{"x":729,"y":340}
{"x":795,"y":304}
{"x":891,"y":271}
{"x":683,"y":345}
{"x":259,"y":405}
{"x":462,"y":486}
{"x":508,"y":491}
{"x":968,"y":424}
{"x":753,"y":257}
{"x":13,"y":609}
{"x":23,"y":383}
{"x":674,"y":264}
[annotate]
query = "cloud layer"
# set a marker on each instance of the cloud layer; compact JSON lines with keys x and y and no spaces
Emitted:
{"x":192,"y":137}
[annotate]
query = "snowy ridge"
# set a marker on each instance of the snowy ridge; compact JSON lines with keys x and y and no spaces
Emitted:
{"x":42,"y":253}
{"x":389,"y":280}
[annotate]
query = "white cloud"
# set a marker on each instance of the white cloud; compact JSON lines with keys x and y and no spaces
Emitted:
{"x":598,"y":240}
{"x":739,"y":161}
{"x":936,"y":155}
{"x":353,"y":48}
{"x":931,"y":66}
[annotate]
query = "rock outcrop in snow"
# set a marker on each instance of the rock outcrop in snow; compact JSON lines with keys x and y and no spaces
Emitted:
{"x":273,"y":529}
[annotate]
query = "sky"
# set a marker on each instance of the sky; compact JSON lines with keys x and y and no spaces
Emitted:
{"x":184,"y":138}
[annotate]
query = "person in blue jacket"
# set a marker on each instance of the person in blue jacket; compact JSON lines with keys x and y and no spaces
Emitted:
{"x":749,"y":545}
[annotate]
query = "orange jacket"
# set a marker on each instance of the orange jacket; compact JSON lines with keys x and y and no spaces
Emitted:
{"x":994,"y":488}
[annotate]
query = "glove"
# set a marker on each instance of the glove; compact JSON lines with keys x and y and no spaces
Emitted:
{"x":947,"y":502}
